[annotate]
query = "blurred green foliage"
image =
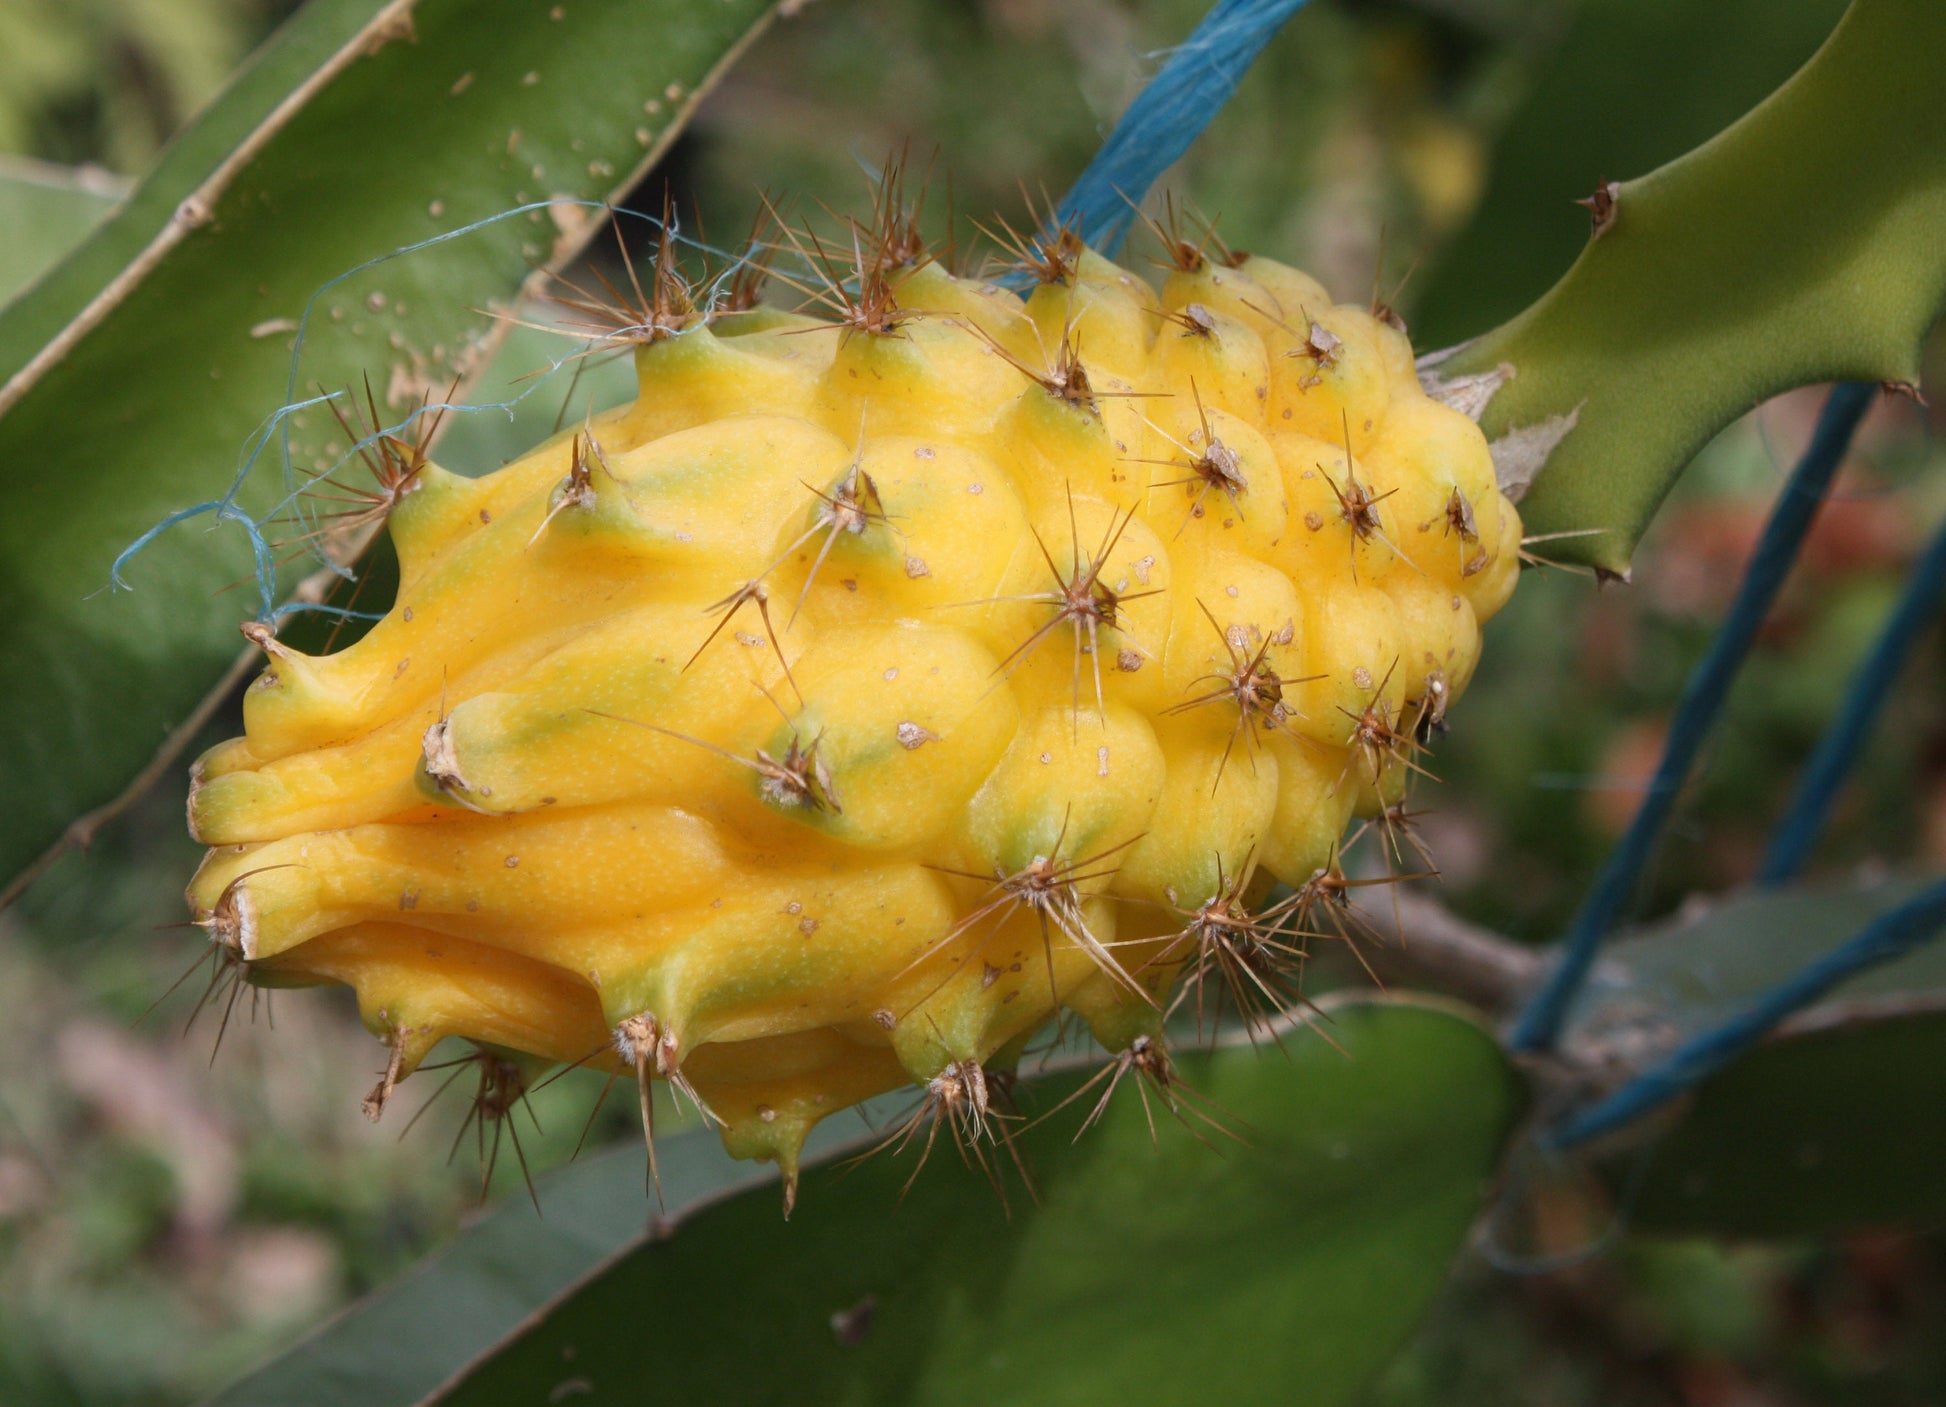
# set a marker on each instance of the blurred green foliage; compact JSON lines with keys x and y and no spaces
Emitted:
{"x":109,"y":81}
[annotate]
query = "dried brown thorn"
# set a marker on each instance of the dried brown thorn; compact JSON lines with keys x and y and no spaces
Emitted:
{"x":1216,"y":468}
{"x":634,"y":314}
{"x":1251,"y":683}
{"x":964,"y":1100}
{"x":799,"y":778}
{"x":1382,"y":736}
{"x":1257,"y":958}
{"x":1181,"y":252}
{"x":1080,"y":600}
{"x":1049,"y":887}
{"x":1051,"y":254}
{"x":650,"y":1048}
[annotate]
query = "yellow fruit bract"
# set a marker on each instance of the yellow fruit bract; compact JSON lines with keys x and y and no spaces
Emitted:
{"x":872,"y":688}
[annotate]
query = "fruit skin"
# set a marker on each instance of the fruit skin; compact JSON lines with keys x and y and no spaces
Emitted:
{"x":871,"y":688}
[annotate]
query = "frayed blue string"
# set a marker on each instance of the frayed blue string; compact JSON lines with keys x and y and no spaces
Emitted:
{"x":1890,"y":935}
{"x":276,"y":428}
{"x":1540,"y":1024}
{"x":1170,"y":113}
{"x":321,"y":608}
{"x":1838,"y":749}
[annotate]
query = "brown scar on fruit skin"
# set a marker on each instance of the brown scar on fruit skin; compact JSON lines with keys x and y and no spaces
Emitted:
{"x":440,"y":762}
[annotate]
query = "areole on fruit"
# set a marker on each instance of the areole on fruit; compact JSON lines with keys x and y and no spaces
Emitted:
{"x":889,"y":678}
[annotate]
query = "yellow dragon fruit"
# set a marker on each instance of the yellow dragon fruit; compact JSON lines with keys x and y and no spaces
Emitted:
{"x":887,"y":679}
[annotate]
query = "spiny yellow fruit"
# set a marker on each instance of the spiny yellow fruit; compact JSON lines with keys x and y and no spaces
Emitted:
{"x":887,"y":678}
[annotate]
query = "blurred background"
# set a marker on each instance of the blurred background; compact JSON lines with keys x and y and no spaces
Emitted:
{"x":167,"y":1217}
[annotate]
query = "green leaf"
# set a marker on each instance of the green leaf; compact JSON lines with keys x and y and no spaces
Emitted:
{"x":432,"y":116}
{"x":1837,"y":1122}
{"x":44,"y":212}
{"x":1823,"y":1131}
{"x":399,"y":1343}
{"x":1171,"y":1271}
{"x":1805,"y":243}
{"x":1626,"y":86}
{"x":1672,"y":980}
{"x":298,"y":50}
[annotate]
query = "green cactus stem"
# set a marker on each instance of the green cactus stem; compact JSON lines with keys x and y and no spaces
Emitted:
{"x":1805,"y":243}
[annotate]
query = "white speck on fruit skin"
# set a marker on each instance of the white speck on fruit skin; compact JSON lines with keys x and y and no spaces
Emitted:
{"x":1047,"y":759}
{"x":1101,"y":761}
{"x":912,"y":736}
{"x":1141,"y":567}
{"x":891,"y":674}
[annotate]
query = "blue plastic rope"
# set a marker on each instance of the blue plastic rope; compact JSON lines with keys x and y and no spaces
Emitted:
{"x":1170,"y":113}
{"x":1890,"y":935}
{"x":1838,"y":749}
{"x":1540,"y":1024}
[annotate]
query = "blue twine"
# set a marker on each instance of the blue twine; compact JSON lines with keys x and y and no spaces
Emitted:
{"x":1171,"y":112}
{"x":1837,"y":751}
{"x":276,"y":427}
{"x":1890,"y":935}
{"x":1540,"y":1024}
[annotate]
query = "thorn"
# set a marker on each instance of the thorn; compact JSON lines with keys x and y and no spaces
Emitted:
{"x":1603,"y":206}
